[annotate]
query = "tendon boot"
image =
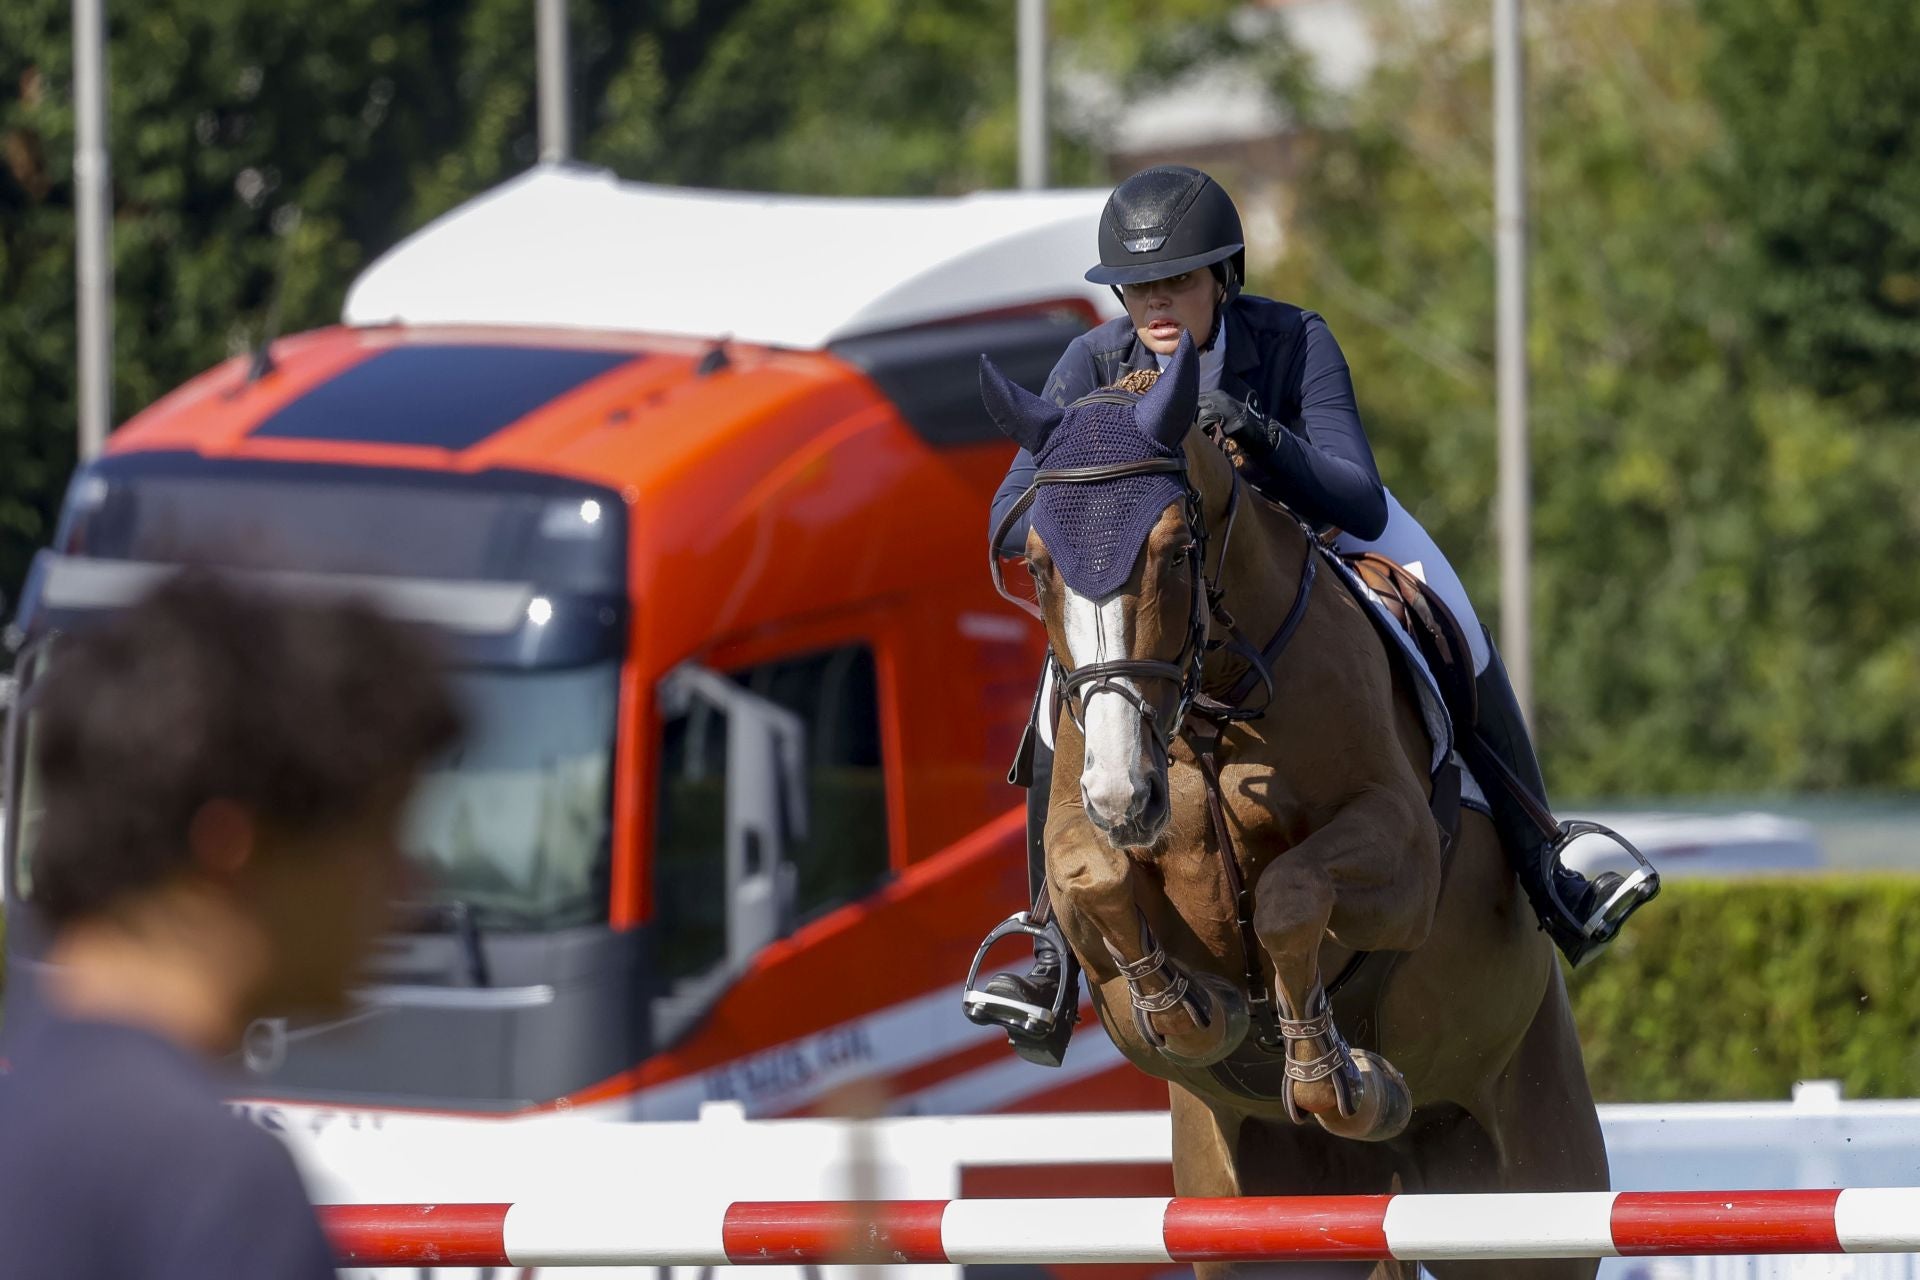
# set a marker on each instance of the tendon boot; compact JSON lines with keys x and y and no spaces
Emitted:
{"x":1037,"y":1009}
{"x":1581,"y":916}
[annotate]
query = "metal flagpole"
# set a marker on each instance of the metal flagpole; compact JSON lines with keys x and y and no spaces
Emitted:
{"x":93,"y":210}
{"x":550,"y":33}
{"x":1033,"y":94}
{"x":1510,"y":219}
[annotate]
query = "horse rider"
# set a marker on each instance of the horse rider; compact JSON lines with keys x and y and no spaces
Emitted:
{"x":1274,"y":382}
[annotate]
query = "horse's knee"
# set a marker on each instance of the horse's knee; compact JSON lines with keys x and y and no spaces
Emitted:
{"x":1083,"y":872}
{"x":1292,"y":902}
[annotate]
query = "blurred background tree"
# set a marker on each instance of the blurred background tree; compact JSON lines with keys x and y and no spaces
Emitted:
{"x":1726,"y":282}
{"x":1820,"y":103}
{"x":1717,"y":534}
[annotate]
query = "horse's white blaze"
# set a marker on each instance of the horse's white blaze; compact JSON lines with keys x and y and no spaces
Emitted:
{"x":1114,"y":777}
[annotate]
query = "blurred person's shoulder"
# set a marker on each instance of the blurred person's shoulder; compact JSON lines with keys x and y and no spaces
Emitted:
{"x":120,"y":1158}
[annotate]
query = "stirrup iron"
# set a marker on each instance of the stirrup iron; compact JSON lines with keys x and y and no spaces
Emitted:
{"x":1037,"y":1033}
{"x":1636,"y":887}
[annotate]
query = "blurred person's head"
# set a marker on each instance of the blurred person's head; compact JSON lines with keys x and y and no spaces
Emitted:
{"x":225,"y":766}
{"x":1172,"y":250}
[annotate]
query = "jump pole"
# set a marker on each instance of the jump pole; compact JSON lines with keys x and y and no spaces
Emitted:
{"x":1596,"y":1224}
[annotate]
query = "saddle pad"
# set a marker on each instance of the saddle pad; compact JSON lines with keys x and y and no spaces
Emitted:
{"x":1433,"y":706}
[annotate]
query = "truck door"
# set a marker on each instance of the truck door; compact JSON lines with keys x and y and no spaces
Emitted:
{"x":733,"y":806}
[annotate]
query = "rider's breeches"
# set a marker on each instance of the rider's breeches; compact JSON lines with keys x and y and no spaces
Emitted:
{"x":1406,"y":542}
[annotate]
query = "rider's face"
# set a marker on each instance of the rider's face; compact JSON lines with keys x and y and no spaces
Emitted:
{"x":1162,"y":310}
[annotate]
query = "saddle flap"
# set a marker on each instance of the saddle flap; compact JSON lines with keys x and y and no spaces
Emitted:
{"x":1425,"y":616}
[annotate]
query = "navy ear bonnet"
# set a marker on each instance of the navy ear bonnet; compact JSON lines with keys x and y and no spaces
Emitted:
{"x":1096,"y":531}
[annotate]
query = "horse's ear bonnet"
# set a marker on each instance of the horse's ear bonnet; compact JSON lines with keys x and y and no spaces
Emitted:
{"x":1095,"y":531}
{"x":1026,"y":418}
{"x":1167,"y":411}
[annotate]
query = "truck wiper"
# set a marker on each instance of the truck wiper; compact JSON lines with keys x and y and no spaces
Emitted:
{"x":457,"y":916}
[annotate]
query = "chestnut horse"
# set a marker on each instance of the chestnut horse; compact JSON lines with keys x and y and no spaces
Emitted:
{"x":1212,"y":926}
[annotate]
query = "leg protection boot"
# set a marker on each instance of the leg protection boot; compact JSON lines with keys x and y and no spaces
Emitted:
{"x":1581,"y":916}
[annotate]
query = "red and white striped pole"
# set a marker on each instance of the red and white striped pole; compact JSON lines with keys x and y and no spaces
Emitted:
{"x":1598,"y":1224}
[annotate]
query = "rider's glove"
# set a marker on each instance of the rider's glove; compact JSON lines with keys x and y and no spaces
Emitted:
{"x":1252,"y":432}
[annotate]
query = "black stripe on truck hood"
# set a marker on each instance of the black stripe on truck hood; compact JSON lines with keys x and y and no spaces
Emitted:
{"x":447,"y":396}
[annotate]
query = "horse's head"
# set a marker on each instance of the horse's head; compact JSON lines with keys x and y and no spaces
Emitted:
{"x":1116,"y":556}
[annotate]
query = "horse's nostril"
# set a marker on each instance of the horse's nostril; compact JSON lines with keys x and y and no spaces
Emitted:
{"x":1156,"y":795}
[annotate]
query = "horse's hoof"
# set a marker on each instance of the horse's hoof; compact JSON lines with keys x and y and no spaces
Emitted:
{"x":1226,"y":1018}
{"x":1381,"y":1103}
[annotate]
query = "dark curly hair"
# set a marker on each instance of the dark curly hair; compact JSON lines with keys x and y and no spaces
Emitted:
{"x":297,"y":710}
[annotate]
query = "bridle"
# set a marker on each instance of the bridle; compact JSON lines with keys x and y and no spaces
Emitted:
{"x":1198,"y":715}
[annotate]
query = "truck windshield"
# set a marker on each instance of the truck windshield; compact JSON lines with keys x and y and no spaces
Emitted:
{"x":516,"y":823}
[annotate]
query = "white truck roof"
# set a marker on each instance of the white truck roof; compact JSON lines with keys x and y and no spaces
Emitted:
{"x":572,"y":247}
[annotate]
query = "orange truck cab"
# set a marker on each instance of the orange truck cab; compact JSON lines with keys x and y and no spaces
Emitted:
{"x":694,"y":488}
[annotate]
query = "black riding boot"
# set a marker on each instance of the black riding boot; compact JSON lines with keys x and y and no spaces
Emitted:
{"x":1033,"y":1029}
{"x":1038,"y":985}
{"x":1581,"y":916}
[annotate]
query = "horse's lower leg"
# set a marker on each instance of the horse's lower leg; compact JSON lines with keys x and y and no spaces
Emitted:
{"x":1095,"y":882}
{"x":1292,"y":908}
{"x":1351,"y":1094}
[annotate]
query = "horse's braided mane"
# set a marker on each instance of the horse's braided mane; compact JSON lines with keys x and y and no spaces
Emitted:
{"x":1136,"y":381}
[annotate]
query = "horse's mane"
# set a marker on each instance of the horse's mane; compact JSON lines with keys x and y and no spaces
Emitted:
{"x":1135,"y":381}
{"x":1140,"y":381}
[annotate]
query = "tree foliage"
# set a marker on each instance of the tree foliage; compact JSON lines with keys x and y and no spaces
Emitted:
{"x":267,"y":149}
{"x":1820,"y":103}
{"x":1718,"y":604}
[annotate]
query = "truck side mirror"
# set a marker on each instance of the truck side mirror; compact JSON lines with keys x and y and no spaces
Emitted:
{"x":15,"y":687}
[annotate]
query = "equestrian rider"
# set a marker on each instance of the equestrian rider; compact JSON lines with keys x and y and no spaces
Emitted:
{"x":1274,"y":381}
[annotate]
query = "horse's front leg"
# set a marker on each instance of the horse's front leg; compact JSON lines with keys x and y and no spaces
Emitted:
{"x":1183,"y":1016}
{"x":1371,"y":877}
{"x":1188,"y":1018}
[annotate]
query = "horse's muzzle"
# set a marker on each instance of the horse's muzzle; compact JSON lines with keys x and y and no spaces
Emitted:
{"x":1136,"y":822}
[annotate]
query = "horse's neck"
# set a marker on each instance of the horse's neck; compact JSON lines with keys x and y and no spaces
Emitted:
{"x":1259,"y":566}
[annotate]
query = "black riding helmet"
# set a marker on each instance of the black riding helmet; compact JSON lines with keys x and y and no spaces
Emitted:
{"x":1166,"y":220}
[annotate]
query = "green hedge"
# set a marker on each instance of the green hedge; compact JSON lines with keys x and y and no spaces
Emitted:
{"x":1736,"y":989}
